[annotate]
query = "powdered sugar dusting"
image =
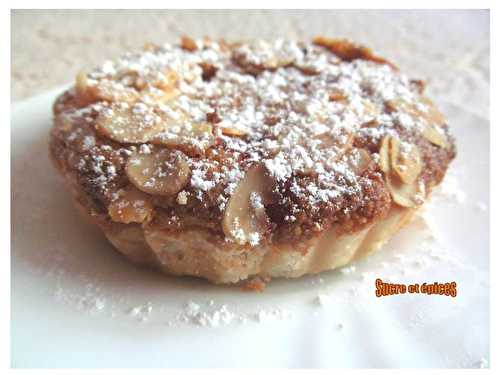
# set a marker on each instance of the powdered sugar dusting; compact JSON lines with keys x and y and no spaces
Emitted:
{"x":293,"y":107}
{"x":211,"y":315}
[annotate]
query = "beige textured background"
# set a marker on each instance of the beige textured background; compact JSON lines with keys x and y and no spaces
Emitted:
{"x":450,"y":49}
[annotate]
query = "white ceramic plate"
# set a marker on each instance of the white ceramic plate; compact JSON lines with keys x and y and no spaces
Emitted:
{"x":77,"y":303}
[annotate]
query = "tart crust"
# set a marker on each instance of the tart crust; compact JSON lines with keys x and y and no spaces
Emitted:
{"x":330,"y":154}
{"x":195,"y":253}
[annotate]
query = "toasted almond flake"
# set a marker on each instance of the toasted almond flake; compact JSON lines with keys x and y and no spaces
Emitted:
{"x":406,"y":195}
{"x":131,"y":206}
{"x":245,"y":219}
{"x":359,"y":160}
{"x":85,"y":93}
{"x":113,"y":92}
{"x":424,"y":109}
{"x":137,"y":123}
{"x":163,"y":172}
{"x":348,"y":50}
{"x":369,"y":108}
{"x":436,"y":136}
{"x":401,"y":172}
{"x":336,"y":95}
{"x":233,"y":131}
{"x":254,"y":59}
{"x":188,"y":44}
{"x":154,"y":96}
{"x":431,"y":113}
{"x":166,"y":81}
{"x":407,"y":165}
{"x":384,"y":156}
{"x":188,"y":137}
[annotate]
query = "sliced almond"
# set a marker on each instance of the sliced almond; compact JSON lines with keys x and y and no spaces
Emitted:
{"x":431,"y":114}
{"x":337,"y":95}
{"x":259,"y":59}
{"x":106,"y":90}
{"x":84,"y":93}
{"x":406,"y":164}
{"x":426,"y":110}
{"x":159,"y":87}
{"x":188,"y":44}
{"x":165,"y":80}
{"x":153,"y":95}
{"x":82,"y":83}
{"x":370,"y":109}
{"x":199,"y":129}
{"x":401,"y":172}
{"x":359,"y":160}
{"x":393,"y":151}
{"x":137,"y":123}
{"x":245,"y":219}
{"x":341,"y":143}
{"x":406,"y":195}
{"x":127,"y":77}
{"x":398,"y":105}
{"x":158,"y":172}
{"x":188,"y":137}
{"x":284,"y":61}
{"x":168,"y":80}
{"x":384,"y":156}
{"x":233,"y":132}
{"x":113,"y":92}
{"x":436,"y":136}
{"x":132,"y":206}
{"x":348,"y":51}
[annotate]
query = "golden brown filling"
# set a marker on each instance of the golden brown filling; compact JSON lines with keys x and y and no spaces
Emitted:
{"x":256,"y":142}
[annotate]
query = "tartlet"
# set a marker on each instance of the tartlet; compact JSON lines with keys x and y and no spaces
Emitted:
{"x":236,"y":161}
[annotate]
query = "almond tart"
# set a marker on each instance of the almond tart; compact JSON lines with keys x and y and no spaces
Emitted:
{"x":232,"y":161}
